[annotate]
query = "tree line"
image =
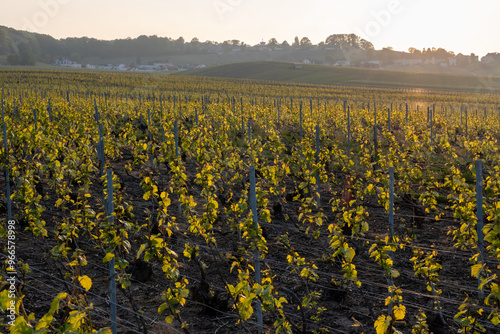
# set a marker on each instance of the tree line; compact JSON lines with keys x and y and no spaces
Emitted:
{"x":25,"y":48}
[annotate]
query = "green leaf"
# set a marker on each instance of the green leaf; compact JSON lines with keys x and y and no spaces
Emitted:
{"x":349,"y":254}
{"x":162,"y":308}
{"x":21,"y":327}
{"x":4,"y":299}
{"x":54,"y":307}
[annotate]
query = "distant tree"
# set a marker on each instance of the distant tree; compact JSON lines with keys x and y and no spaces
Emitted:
{"x":343,"y":41}
{"x":26,"y":55}
{"x":4,"y":40}
{"x":194,"y":45}
{"x":415,"y":52}
{"x":387,"y":55}
{"x":305,"y":43}
{"x":334,"y":40}
{"x":353,"y":41}
{"x":285,"y":45}
{"x":76,"y":58}
{"x":227,"y":46}
{"x":365,"y":45}
{"x":179,"y":44}
{"x":296,"y":42}
{"x":272,"y":42}
{"x":442,"y":53}
{"x":13,"y":59}
{"x":27,"y":58}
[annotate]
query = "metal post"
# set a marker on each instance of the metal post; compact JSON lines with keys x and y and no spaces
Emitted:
{"x":100,"y":148}
{"x":96,"y":113}
{"x":389,"y":118}
{"x":317,"y":162}
{"x":112,"y":282}
{"x":176,"y":140}
{"x":279,"y":115}
{"x":391,"y":202}
{"x":479,"y":214}
{"x":253,"y":205}
{"x":6,"y":171}
{"x":36,"y":119}
{"x":300,"y":120}
{"x":249,"y":133}
{"x":391,"y":219}
{"x":150,"y":137}
{"x":50,"y":112}
{"x":348,"y":132}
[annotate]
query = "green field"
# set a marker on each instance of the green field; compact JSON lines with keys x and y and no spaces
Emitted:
{"x":334,"y":75}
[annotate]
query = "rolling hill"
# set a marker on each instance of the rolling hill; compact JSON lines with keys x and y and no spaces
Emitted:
{"x":335,"y":75}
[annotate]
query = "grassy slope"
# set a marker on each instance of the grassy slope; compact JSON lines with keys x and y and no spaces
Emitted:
{"x":319,"y":74}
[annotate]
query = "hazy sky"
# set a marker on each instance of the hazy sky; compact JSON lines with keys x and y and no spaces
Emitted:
{"x":458,"y":25}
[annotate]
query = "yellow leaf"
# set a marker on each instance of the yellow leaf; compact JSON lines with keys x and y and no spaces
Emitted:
{"x":85,"y":282}
{"x":108,"y":257}
{"x":382,"y":324}
{"x":399,"y":312}
{"x":476,"y":270}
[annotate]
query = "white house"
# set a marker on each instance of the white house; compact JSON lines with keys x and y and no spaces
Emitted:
{"x":407,"y":62}
{"x":430,"y":61}
{"x":490,"y":58}
{"x":344,"y":63}
{"x":65,"y":62}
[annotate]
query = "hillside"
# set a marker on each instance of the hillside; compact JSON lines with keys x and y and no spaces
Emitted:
{"x":335,"y":75}
{"x":33,"y":49}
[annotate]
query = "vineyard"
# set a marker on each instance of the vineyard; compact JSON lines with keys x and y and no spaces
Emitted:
{"x":169,"y":204}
